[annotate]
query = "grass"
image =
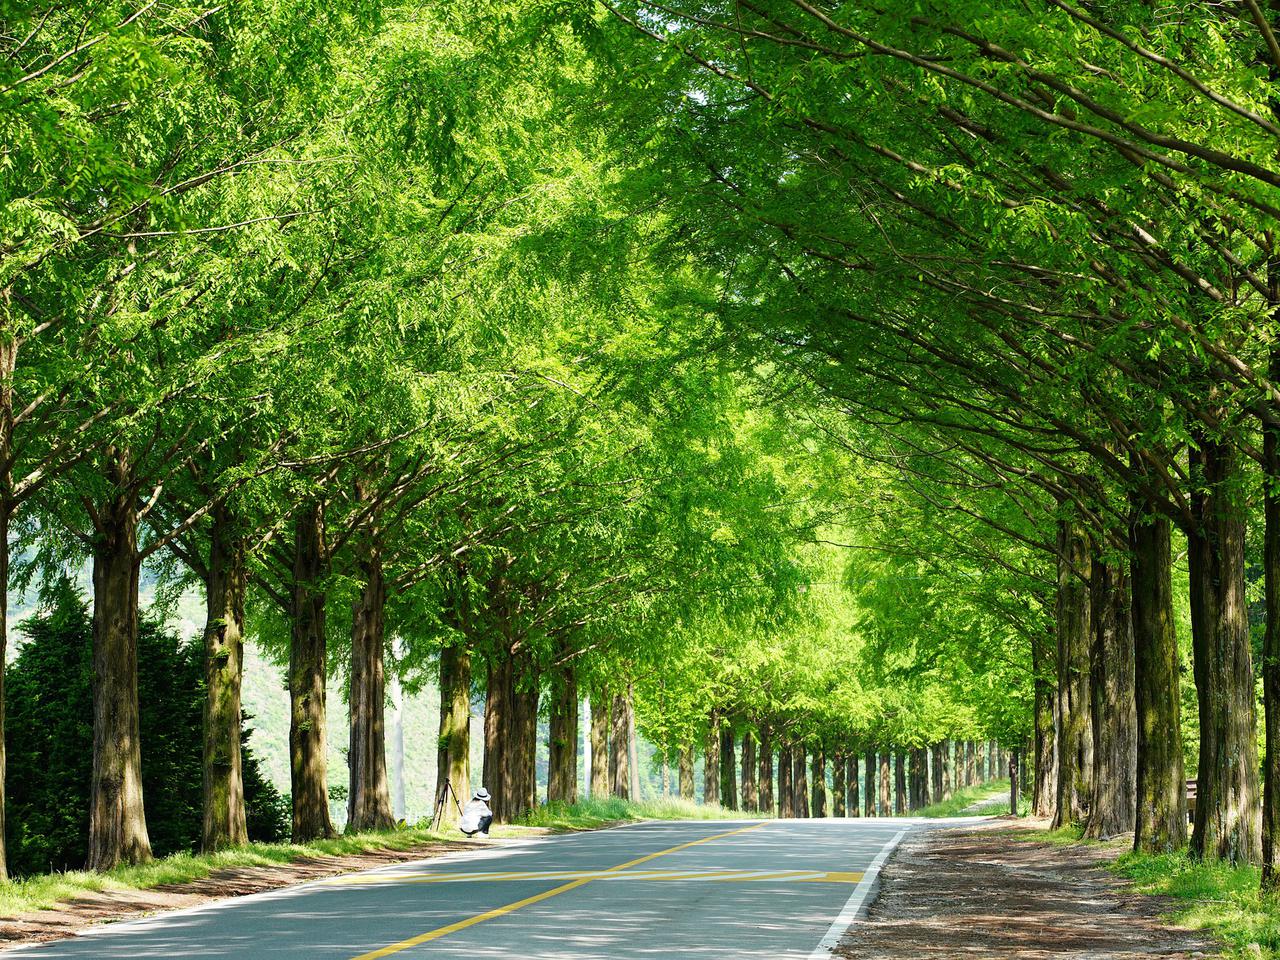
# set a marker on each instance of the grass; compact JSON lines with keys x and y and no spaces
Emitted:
{"x":1212,"y":896}
{"x":47,"y":890}
{"x":967,"y":797}
{"x":605,"y":810}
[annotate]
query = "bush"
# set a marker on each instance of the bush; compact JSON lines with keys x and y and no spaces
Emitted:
{"x":49,"y":739}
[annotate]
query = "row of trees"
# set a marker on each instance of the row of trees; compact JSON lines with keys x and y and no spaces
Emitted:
{"x":1024,"y":256}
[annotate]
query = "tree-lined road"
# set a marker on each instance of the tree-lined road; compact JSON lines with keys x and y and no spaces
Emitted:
{"x":767,"y":890}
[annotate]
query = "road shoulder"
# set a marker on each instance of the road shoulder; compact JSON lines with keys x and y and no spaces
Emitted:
{"x":974,"y":891}
{"x":109,"y":906}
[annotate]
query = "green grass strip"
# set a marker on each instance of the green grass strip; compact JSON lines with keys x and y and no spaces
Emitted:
{"x":1213,"y":896}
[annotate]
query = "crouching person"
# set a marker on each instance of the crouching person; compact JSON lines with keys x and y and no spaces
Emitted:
{"x":476,"y":815}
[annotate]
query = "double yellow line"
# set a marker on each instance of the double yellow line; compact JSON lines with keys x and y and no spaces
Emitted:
{"x":538,"y":898}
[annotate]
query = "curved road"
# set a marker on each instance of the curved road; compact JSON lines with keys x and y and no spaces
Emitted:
{"x":766,"y":890}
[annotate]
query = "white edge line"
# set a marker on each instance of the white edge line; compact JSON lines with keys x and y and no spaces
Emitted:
{"x":856,"y":903}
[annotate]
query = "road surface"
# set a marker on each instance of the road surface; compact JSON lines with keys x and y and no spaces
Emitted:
{"x":770,"y":890}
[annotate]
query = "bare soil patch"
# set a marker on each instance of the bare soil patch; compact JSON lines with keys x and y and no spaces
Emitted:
{"x":69,"y":918}
{"x":977,"y":892}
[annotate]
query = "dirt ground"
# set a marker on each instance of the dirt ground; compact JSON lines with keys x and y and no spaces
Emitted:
{"x":68,"y":918}
{"x":977,"y":893}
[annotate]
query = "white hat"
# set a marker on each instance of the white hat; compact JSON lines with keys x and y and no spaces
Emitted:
{"x":482,"y":794}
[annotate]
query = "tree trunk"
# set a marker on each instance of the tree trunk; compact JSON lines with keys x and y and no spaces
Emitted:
{"x":562,"y":746}
{"x":855,"y":803}
{"x":750,"y":795}
{"x":497,"y":729}
{"x":728,"y":769}
{"x":1271,"y":639}
{"x":117,"y":822}
{"x":224,"y":814}
{"x":869,"y":784}
{"x":600,"y":749}
{"x":839,"y":789}
{"x":886,"y":789}
{"x":937,"y":764}
{"x":1228,"y":813}
{"x":916,"y":787}
{"x":307,"y":760}
{"x":1043,"y":665}
{"x":948,"y":746}
{"x":633,"y":746}
{"x":766,"y":770}
{"x":786,"y":793}
{"x":619,"y":750}
{"x":711,"y":762}
{"x":818,"y":807}
{"x":899,"y":784}
{"x":800,"y":782}
{"x":521,"y":754}
{"x":453,"y":760}
{"x":686,"y":771}
{"x":368,"y":796}
{"x":8,"y":363}
{"x":1015,"y":780}
{"x":1074,"y":730}
{"x":1113,"y":803}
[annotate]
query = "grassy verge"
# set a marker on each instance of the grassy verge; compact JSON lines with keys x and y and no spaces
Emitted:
{"x":47,"y":890}
{"x":598,"y":812}
{"x":967,"y":797}
{"x":1215,"y":897}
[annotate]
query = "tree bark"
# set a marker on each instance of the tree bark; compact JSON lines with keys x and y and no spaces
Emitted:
{"x":786,"y":793}
{"x":886,"y":789}
{"x":1113,"y":803}
{"x":1015,"y":778}
{"x":619,"y":750}
{"x":899,"y":783}
{"x":497,"y":730}
{"x":947,"y":747}
{"x":600,"y":750}
{"x":1228,"y":813}
{"x":633,"y":746}
{"x":368,"y":796}
{"x":562,"y":747}
{"x":686,"y":771}
{"x":1073,"y":728}
{"x":839,"y":788}
{"x":711,"y":761}
{"x":307,"y":760}
{"x":917,"y":786}
{"x":937,"y":764}
{"x":225,"y":588}
{"x":800,"y":782}
{"x":8,"y":363}
{"x":453,"y":761}
{"x":855,"y":803}
{"x":117,"y":822}
{"x":728,"y":769}
{"x":1271,"y":639}
{"x":869,"y":784}
{"x":750,"y":795}
{"x":766,"y":770}
{"x":1043,"y":664}
{"x":818,"y":805}
{"x":522,"y":752}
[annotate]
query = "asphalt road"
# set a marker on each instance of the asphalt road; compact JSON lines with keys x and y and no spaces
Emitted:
{"x":747,"y":889}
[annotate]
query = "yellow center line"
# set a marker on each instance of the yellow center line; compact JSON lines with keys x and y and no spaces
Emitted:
{"x":537,"y":898}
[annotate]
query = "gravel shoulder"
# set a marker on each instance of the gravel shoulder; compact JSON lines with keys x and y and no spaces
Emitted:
{"x":978,"y":892}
